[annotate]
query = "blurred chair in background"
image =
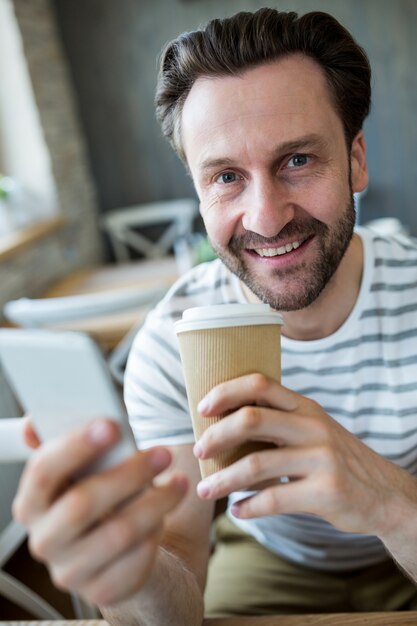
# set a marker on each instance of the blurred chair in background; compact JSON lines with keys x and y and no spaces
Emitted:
{"x":108,"y":301}
{"x":126,"y":227}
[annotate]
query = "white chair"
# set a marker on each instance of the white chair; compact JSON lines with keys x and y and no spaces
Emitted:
{"x":123,"y":226}
{"x":39,"y":312}
{"x":388,"y":226}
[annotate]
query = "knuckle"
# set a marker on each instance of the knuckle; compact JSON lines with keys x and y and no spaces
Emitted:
{"x":255,"y":465}
{"x":120,"y":534}
{"x":327,"y":456}
{"x":312,"y":405}
{"x":63,"y":577}
{"x":220,"y":485}
{"x":209,"y":438}
{"x":79,"y":503}
{"x":38,"y":546}
{"x":251,"y":417}
{"x":40,"y":475}
{"x":259,"y":382}
{"x":99,"y":593}
{"x":272,"y":500}
{"x":19,"y":511}
{"x":333,"y":485}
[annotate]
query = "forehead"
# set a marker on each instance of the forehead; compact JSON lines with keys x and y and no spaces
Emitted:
{"x":276,"y":102}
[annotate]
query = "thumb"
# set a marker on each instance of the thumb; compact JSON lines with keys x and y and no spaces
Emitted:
{"x":30,"y":437}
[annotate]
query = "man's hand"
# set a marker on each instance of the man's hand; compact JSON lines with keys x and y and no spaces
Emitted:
{"x":331,"y":473}
{"x":98,"y":536}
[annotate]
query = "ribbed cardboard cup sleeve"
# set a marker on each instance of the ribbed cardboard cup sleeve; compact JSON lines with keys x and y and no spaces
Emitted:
{"x":212,"y":356}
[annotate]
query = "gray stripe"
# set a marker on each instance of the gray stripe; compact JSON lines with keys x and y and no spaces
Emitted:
{"x":397,"y":458}
{"x":146,"y":403}
{"x":397,"y":389}
{"x":165,"y":345}
{"x":312,"y":524}
{"x":387,"y":436}
{"x":398,"y":242}
{"x":391,"y":287}
{"x":388,"y":412}
{"x":160,"y":396}
{"x":408,"y":308}
{"x":358,"y":341}
{"x":346,"y":369}
{"x":395,"y":262}
{"x":187,"y":290}
{"x":344,"y":549}
{"x":147,"y":360}
{"x":166,"y":434}
{"x":412,"y":467}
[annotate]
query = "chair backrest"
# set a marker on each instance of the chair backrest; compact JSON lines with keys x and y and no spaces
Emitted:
{"x":38,"y":312}
{"x":123,"y":226}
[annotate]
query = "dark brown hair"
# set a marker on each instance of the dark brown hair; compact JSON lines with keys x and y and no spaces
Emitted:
{"x":234,"y":44}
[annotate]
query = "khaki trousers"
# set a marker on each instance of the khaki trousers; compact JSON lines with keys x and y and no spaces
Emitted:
{"x":247,"y":579}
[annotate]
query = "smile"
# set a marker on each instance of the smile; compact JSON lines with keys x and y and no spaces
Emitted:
{"x":278,"y":251}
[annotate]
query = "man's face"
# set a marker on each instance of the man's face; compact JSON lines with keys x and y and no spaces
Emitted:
{"x":270,"y":165}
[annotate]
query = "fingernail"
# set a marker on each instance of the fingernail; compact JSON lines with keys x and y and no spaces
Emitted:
{"x":235,"y":510}
{"x":203,"y":405}
{"x":203,"y":488}
{"x":100,"y":433}
{"x":182,"y":483}
{"x":160,"y":459}
{"x":198,"y":450}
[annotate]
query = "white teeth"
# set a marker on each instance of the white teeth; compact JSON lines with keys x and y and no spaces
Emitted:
{"x":278,"y":251}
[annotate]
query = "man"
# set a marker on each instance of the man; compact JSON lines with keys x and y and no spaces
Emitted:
{"x":266,"y":111}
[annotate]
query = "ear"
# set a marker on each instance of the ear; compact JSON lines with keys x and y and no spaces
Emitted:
{"x":358,"y":164}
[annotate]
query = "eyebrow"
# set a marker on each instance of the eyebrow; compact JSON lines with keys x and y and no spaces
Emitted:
{"x":301,"y":143}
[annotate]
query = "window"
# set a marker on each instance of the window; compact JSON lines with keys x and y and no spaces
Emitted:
{"x":27,"y":189}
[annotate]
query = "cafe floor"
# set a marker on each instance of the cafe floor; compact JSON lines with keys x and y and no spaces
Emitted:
{"x":34,"y":575}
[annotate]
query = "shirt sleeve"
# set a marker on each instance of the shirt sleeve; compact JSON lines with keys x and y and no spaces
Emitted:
{"x":154,"y":388}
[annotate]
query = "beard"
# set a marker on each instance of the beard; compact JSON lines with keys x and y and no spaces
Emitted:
{"x":294,"y":288}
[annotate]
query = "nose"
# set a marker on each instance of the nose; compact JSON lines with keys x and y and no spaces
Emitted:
{"x":267,"y":207}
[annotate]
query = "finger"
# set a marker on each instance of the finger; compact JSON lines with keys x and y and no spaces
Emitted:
{"x":301,"y":496}
{"x":54,"y":464}
{"x":249,"y":389}
{"x":120,"y":533}
{"x":30,"y":437}
{"x":127,"y":575}
{"x":91,"y":500}
{"x":256,"y":468}
{"x":251,"y":423}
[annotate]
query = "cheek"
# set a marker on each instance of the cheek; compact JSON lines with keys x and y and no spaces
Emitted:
{"x":328,"y":201}
{"x":221,"y":221}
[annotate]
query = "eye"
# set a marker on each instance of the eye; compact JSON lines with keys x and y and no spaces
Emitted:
{"x":298,"y":160}
{"x":226,"y":177}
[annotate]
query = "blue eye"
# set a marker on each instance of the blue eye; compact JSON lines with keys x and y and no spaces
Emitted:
{"x":227,"y":177}
{"x":298,"y":160}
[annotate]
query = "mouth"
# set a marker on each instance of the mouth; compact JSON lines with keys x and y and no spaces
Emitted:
{"x":279,"y":251}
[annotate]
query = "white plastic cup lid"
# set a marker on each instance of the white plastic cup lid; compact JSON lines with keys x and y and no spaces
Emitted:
{"x":226,"y":315}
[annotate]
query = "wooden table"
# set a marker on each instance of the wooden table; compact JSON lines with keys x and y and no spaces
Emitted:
{"x":109,"y":330}
{"x":407,"y":618}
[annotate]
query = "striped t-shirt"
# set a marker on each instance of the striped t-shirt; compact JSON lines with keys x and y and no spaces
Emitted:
{"x":364,"y":375}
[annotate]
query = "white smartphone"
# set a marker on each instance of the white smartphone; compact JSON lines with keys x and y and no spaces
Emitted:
{"x":62,"y":381}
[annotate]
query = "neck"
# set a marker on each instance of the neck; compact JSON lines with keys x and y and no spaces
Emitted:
{"x":333,"y":306}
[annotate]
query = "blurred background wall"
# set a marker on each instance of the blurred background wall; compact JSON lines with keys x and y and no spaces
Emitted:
{"x":38,"y":54}
{"x":92,"y":66}
{"x":112,"y":49}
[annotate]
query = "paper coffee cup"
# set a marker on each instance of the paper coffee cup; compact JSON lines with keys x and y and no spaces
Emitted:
{"x":221,"y":342}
